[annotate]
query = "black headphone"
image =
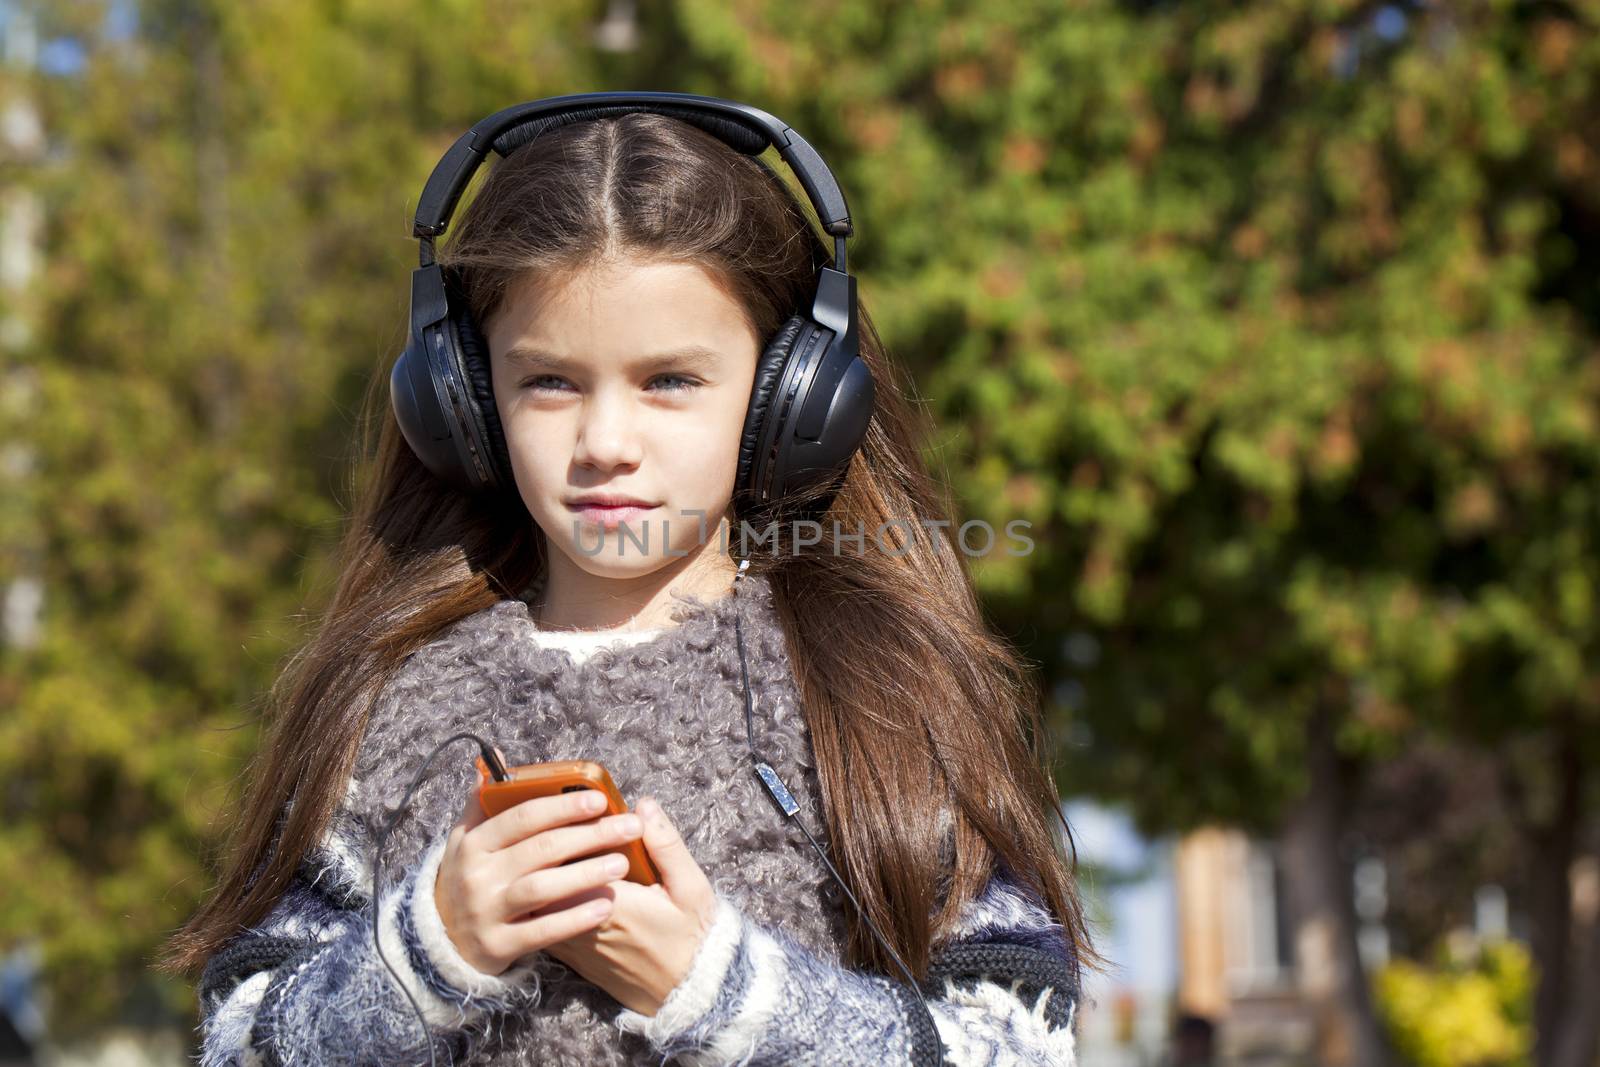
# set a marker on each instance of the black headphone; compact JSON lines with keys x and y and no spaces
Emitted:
{"x":812,"y":396}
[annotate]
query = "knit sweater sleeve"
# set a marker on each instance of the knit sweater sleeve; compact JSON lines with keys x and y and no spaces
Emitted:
{"x":753,"y":996}
{"x":306,"y":985}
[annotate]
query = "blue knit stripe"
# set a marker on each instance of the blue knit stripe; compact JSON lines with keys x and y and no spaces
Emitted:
{"x":247,"y":954}
{"x":417,"y":955}
{"x":1008,"y":913}
{"x":831,"y":1007}
{"x":267,"y":1035}
{"x":832,"y":1015}
{"x":924,"y":1049}
{"x":730,"y":999}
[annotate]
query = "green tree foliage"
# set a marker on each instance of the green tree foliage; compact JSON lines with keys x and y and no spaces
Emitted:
{"x":1276,"y":320}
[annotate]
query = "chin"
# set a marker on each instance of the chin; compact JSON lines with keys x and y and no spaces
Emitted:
{"x":634,"y":566}
{"x":603,"y":551}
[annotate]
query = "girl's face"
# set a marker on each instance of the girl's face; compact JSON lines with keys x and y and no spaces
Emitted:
{"x":630,"y":380}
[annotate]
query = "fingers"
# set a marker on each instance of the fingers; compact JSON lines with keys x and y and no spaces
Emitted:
{"x":536,"y":816}
{"x":681,"y":876}
{"x":470,"y":817}
{"x":552,"y":925}
{"x":562,"y":843}
{"x":472,"y":814}
{"x":563,"y":885}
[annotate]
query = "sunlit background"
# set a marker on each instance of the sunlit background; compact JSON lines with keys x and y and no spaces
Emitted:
{"x":1276,"y":320}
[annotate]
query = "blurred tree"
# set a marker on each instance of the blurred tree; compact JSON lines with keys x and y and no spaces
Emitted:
{"x":1436,"y":816}
{"x":1276,"y":320}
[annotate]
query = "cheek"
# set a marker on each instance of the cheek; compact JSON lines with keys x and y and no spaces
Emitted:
{"x":539,"y":455}
{"x":709,"y":456}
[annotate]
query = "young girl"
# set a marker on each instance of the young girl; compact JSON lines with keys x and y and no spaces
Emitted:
{"x":625,"y":275}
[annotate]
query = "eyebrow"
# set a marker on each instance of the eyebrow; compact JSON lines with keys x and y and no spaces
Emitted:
{"x":694,"y":357}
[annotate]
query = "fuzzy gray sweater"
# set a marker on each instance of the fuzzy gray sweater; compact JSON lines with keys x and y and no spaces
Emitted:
{"x":665,"y":715}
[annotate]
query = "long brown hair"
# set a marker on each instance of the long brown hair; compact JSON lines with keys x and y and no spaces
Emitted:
{"x":914,"y":705}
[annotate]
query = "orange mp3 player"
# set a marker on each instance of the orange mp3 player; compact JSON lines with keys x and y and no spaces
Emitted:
{"x":563,"y":776}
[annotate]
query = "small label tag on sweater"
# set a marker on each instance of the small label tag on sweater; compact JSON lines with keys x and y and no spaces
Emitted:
{"x":769,"y":778}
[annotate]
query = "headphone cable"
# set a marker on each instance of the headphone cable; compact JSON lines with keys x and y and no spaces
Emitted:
{"x":791,"y":807}
{"x":496,"y":768}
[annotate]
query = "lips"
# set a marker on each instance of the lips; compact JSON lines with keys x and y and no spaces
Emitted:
{"x":610,"y":516}
{"x":608,"y":500}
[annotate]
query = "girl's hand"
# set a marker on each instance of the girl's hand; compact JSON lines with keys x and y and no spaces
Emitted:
{"x":494,"y":872}
{"x":641,"y":953}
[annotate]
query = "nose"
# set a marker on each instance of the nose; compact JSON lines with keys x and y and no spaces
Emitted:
{"x":608,"y":434}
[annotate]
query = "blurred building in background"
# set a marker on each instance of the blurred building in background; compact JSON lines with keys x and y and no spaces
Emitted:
{"x":1131,"y":896}
{"x":1235,"y":952}
{"x":1200,"y":928}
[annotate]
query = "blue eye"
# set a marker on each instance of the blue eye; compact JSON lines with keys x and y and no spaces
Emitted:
{"x":684,"y":382}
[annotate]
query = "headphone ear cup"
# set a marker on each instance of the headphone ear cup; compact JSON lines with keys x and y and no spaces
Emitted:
{"x":476,"y":370}
{"x":769,"y":372}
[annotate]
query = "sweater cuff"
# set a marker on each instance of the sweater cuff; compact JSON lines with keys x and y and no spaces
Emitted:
{"x":450,"y":990}
{"x":687,"y":1006}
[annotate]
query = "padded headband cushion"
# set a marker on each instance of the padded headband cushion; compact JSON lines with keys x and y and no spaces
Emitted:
{"x":475,"y":366}
{"x":732,"y":132}
{"x":769,"y":369}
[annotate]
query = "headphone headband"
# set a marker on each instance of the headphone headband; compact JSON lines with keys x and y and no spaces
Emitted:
{"x":812,"y":395}
{"x":744,"y":128}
